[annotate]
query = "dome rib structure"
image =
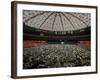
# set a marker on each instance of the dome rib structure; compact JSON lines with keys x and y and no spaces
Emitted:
{"x":56,"y":21}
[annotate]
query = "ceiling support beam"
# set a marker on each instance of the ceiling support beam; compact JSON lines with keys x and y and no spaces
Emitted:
{"x":61,"y":21}
{"x":78,"y":18}
{"x":34,"y":17}
{"x":54,"y":21}
{"x":46,"y":19}
{"x":68,"y":20}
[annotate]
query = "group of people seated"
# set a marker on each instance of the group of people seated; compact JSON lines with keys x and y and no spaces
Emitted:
{"x":55,"y":56}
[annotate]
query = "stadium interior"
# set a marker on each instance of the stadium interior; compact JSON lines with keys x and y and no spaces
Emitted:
{"x":56,"y":39}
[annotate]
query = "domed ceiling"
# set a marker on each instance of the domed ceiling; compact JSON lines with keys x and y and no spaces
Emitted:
{"x":56,"y":21}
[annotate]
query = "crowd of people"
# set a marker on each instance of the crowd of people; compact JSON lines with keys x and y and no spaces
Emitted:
{"x":55,"y":56}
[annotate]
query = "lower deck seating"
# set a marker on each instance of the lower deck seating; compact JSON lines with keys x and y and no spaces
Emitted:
{"x":55,"y":55}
